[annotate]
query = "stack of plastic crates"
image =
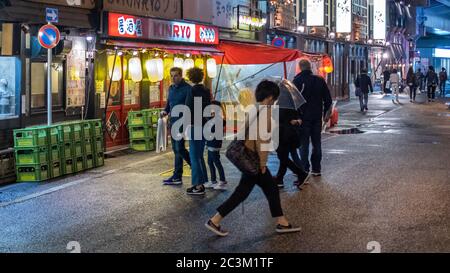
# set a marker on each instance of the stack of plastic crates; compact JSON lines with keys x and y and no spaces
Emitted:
{"x":33,"y":153}
{"x":45,"y":152}
{"x":142,"y":126}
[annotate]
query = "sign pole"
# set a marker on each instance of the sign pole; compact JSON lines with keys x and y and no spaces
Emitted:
{"x":49,"y":87}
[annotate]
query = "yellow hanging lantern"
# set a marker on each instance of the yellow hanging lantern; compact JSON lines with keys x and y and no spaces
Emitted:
{"x":199,"y":63}
{"x":211,"y":66}
{"x":178,"y":62}
{"x":168,"y":64}
{"x":135,"y":69}
{"x":188,"y":64}
{"x":117,"y":75}
{"x":155,"y":70}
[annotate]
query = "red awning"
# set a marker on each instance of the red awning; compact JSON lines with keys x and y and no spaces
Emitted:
{"x":174,"y":49}
{"x":245,"y":54}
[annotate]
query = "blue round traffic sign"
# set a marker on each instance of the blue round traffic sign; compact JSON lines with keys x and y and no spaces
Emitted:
{"x":278,"y":42}
{"x":49,"y":36}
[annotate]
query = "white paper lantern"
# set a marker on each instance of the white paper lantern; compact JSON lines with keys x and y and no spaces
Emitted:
{"x":188,"y":64}
{"x":211,"y":66}
{"x":117,"y":74}
{"x":178,"y":62}
{"x":155,"y":70}
{"x":135,"y":69}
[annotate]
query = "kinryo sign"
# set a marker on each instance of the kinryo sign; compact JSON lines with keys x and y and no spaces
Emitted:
{"x":128,"y":26}
{"x":379,"y":20}
{"x":315,"y":13}
{"x":343,"y":16}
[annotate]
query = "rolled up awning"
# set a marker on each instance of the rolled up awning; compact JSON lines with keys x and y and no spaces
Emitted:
{"x":237,"y":53}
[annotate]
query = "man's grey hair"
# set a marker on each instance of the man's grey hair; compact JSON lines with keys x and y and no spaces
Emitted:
{"x":304,"y":65}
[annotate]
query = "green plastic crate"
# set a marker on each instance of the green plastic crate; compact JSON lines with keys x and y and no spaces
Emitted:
{"x":98,"y":145}
{"x":79,"y":164}
{"x":99,"y":159}
{"x":137,"y":118}
{"x":66,"y":150}
{"x":37,"y":155}
{"x":65,"y":132}
{"x":77,"y":148}
{"x":88,"y":146}
{"x":69,"y":166}
{"x":142,"y":145}
{"x":87,"y":129}
{"x":32,"y":173}
{"x":89,"y":161}
{"x":97,"y":127}
{"x":30,"y":137}
{"x":55,"y":153}
{"x":77,"y":131}
{"x":152,"y":115}
{"x":54,"y":137}
{"x":56,"y":169}
{"x":138,"y":132}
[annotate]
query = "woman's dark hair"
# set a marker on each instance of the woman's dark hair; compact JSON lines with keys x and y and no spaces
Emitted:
{"x":267,"y":89}
{"x":195,"y":75}
{"x":431,"y":68}
{"x":394,"y":70}
{"x":364,"y":70}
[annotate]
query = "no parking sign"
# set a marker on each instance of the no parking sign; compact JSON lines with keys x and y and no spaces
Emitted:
{"x":49,"y":36}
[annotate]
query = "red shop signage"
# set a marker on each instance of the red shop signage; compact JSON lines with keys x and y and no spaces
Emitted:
{"x":129,"y":26}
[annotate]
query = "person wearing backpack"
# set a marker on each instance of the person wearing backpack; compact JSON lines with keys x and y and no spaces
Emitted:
{"x":267,"y":92}
{"x":432,"y":82}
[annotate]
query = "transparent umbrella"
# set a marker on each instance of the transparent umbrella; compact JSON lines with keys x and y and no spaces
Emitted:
{"x":290,"y":97}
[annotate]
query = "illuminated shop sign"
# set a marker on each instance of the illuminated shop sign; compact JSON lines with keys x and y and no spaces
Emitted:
{"x":128,"y":26}
{"x":250,"y":19}
{"x":379,"y":20}
{"x":343,"y":16}
{"x":315,"y":13}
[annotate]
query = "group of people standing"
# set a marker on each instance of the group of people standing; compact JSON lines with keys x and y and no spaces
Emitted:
{"x":298,"y":128}
{"x":431,"y":80}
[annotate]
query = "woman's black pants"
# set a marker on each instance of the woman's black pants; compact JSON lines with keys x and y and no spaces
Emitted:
{"x":245,"y":187}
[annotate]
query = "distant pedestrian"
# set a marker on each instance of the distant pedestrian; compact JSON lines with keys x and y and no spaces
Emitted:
{"x":214,"y":146}
{"x":386,"y":75}
{"x":411,"y":81}
{"x":266,"y":94}
{"x":419,"y":80}
{"x":197,"y":141}
{"x":442,"y":80}
{"x":318,"y":102}
{"x":364,"y":83}
{"x":432,"y":82}
{"x":394,"y":79}
{"x":177,"y":96}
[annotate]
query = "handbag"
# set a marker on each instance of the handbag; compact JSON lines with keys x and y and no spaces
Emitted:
{"x":246,"y":160}
{"x":358,"y":91}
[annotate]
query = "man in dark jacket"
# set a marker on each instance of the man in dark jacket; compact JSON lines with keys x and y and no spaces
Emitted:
{"x":364,"y":83}
{"x":318,"y":101}
{"x":177,"y":96}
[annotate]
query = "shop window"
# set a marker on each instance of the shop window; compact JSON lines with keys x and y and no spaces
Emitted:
{"x":39,"y":85}
{"x":9,"y":87}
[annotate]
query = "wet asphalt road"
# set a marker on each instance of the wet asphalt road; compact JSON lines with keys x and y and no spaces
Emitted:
{"x":390,"y":184}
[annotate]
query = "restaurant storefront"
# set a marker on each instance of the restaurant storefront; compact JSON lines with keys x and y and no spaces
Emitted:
{"x":134,"y":60}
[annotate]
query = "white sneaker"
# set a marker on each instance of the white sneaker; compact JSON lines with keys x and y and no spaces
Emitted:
{"x":222,"y":185}
{"x":210,"y":184}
